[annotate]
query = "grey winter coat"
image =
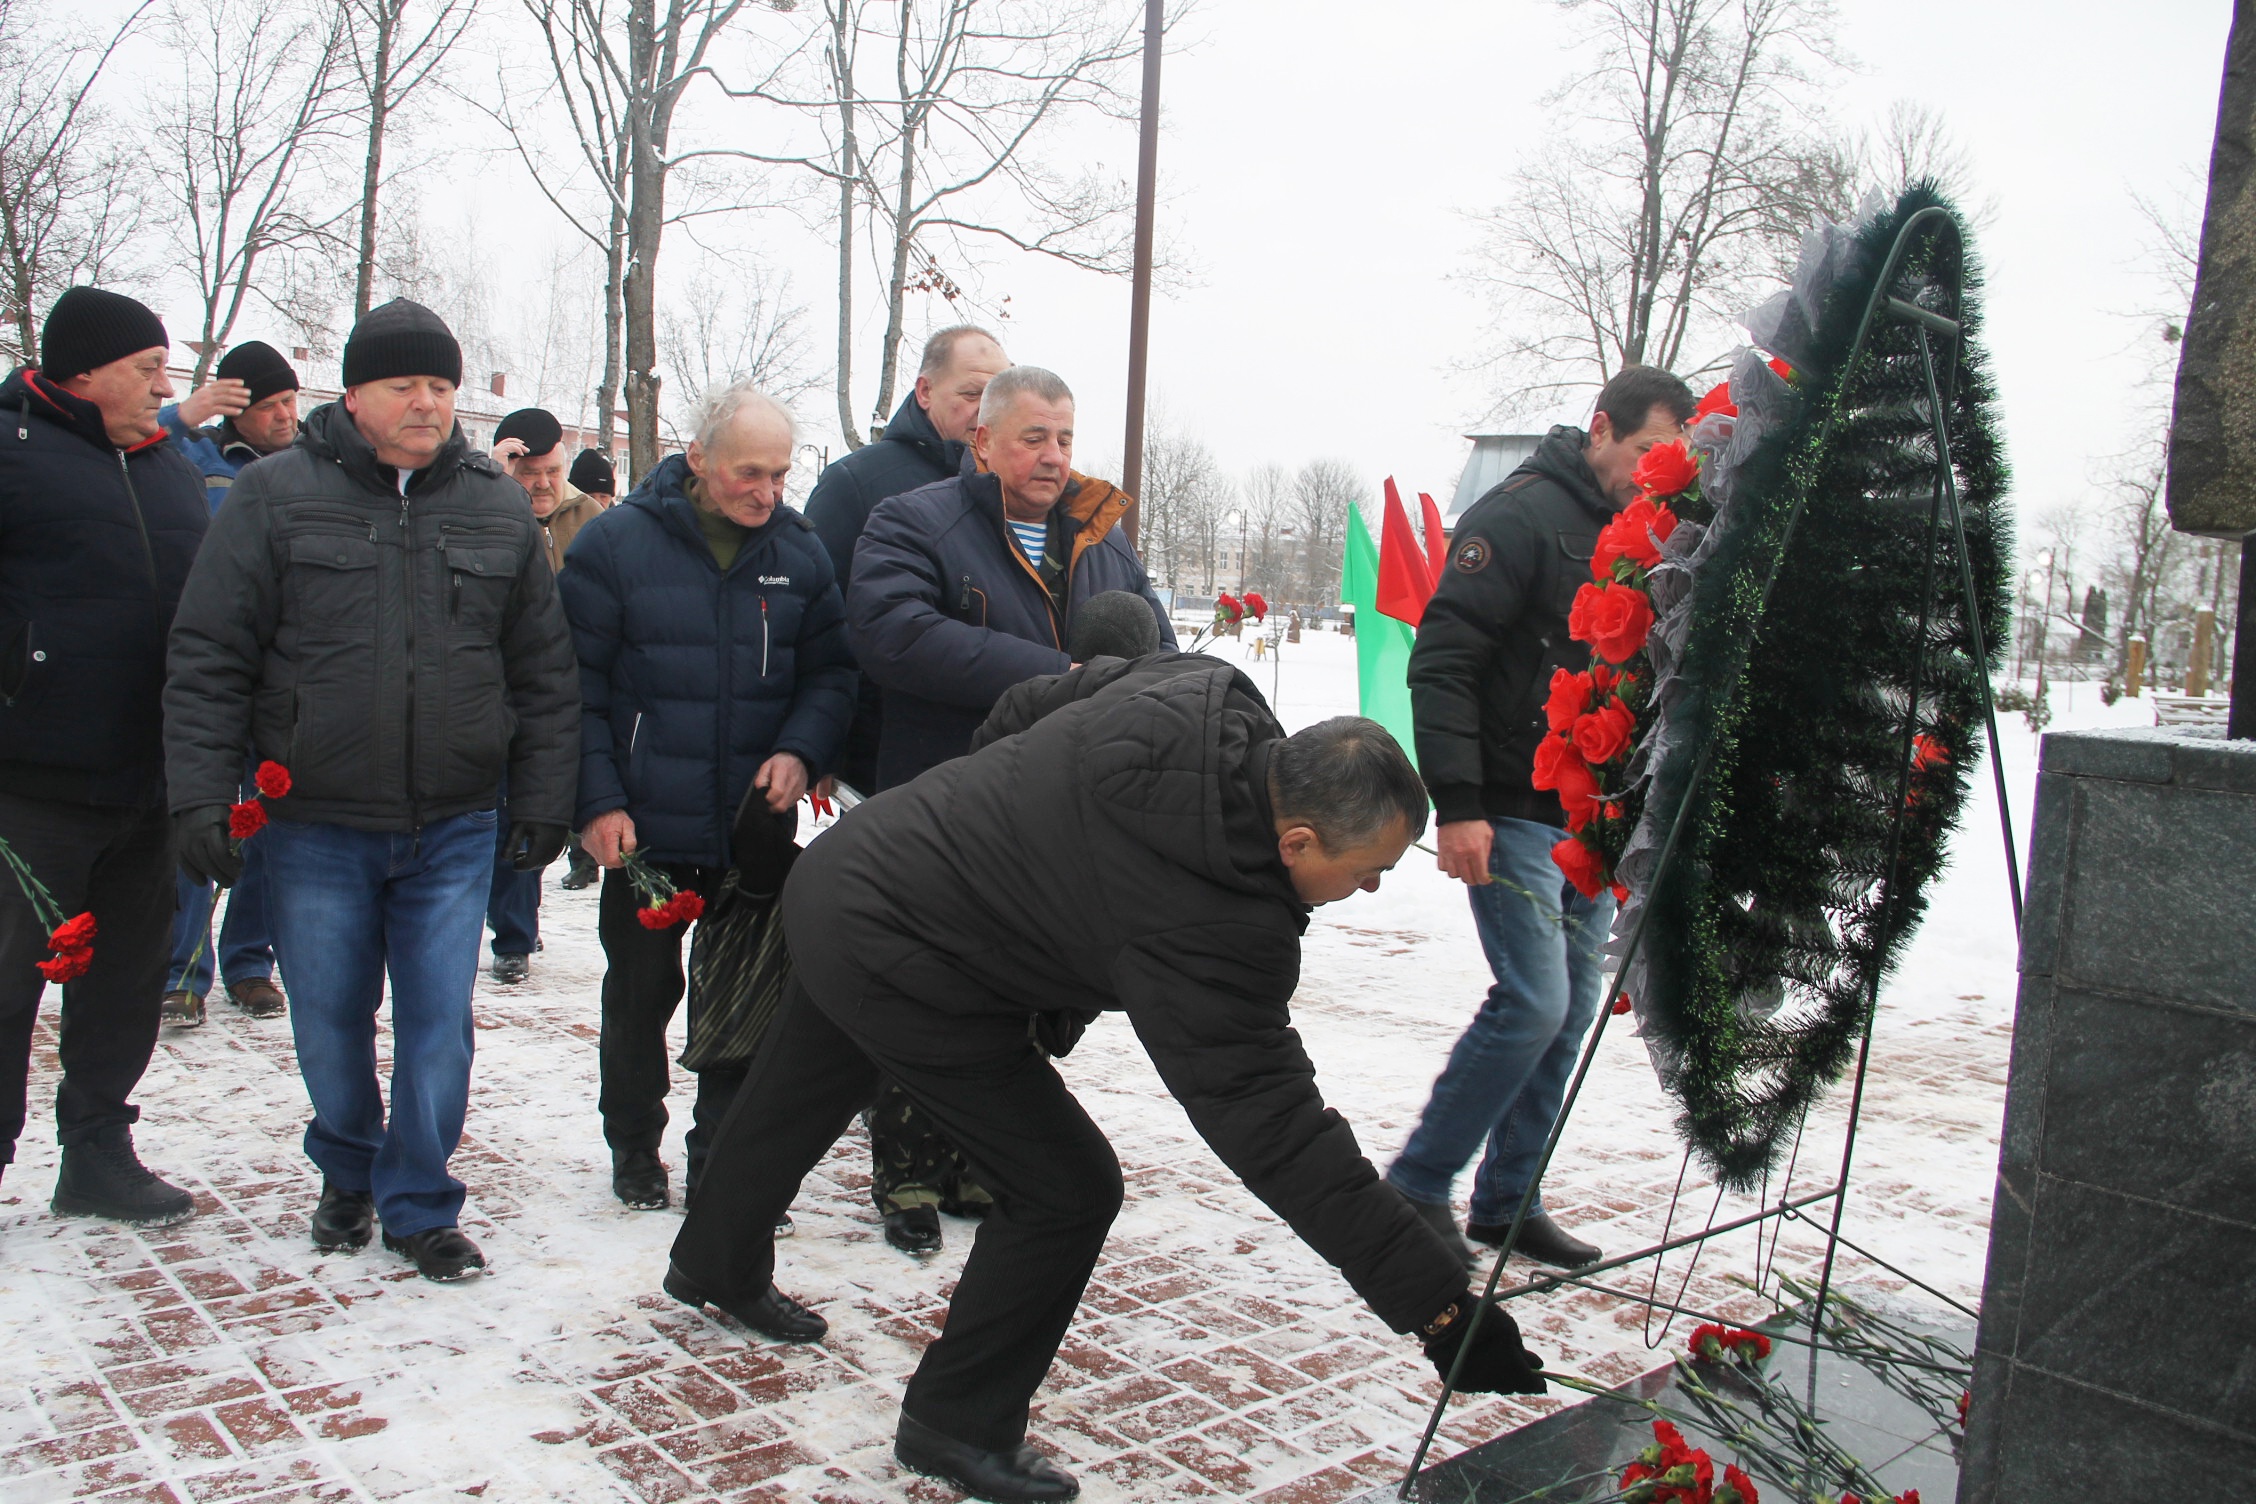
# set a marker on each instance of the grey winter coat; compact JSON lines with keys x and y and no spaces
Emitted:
{"x":397,"y":652}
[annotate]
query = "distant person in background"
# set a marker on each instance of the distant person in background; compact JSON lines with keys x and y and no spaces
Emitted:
{"x":529,"y":445}
{"x":962,"y":589}
{"x":713,"y":662}
{"x":914,"y":1170}
{"x":594,"y":476}
{"x":100,"y":519}
{"x":254,"y":393}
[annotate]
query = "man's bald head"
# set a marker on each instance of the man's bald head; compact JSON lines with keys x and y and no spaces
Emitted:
{"x":958,"y":363}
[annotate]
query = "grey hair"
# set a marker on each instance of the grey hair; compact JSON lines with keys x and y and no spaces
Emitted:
{"x":723,"y":406}
{"x":1346,"y":779}
{"x":1005,"y":389}
{"x":941,"y":348}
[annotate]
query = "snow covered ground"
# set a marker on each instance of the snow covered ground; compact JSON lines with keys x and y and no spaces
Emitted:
{"x":1215,"y":1356}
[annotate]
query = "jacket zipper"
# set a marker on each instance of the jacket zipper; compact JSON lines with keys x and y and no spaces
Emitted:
{"x":133,"y":499}
{"x":407,"y":748}
{"x":763,"y":636}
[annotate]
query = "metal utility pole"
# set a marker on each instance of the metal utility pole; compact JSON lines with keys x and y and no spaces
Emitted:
{"x":1139,"y":303}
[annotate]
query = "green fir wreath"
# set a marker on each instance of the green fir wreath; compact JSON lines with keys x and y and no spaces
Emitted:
{"x":1766,"y":939}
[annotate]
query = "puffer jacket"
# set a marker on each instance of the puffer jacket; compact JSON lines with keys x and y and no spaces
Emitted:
{"x":1111,"y":846}
{"x":947,"y":614}
{"x":397,"y":652}
{"x":95,"y":543}
{"x":1495,"y":630}
{"x":691,"y":678}
{"x":218,"y":451}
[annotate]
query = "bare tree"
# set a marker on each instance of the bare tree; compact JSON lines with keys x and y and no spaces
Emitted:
{"x":1321,"y":494}
{"x":391,"y":58}
{"x":936,"y":155}
{"x":257,"y":112}
{"x":745,"y":326}
{"x":70,"y":190}
{"x":1184,"y":495}
{"x":1687,"y":158}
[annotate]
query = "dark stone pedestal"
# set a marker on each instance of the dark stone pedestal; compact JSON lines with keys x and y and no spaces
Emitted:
{"x":2117,"y":1352}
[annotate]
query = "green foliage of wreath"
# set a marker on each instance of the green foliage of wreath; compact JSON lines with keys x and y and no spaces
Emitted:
{"x":1799,"y":663}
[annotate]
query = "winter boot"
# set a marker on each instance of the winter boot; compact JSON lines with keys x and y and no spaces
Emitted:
{"x":258,"y":997}
{"x":638,"y":1179}
{"x":182,"y":1009}
{"x":103,"y":1177}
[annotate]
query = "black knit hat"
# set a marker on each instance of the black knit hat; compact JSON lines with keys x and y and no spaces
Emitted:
{"x":535,"y":427}
{"x":402,"y":338}
{"x":592,"y":471}
{"x":88,"y":327}
{"x":259,"y":366}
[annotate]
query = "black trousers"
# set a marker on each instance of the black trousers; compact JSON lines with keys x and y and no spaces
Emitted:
{"x":1054,"y":1178}
{"x":116,"y":864}
{"x":642,"y":985}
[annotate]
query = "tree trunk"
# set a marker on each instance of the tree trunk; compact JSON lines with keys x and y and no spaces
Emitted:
{"x":896,"y":291}
{"x":372,"y":170}
{"x":646,"y":220}
{"x":614,"y":277}
{"x":849,"y":174}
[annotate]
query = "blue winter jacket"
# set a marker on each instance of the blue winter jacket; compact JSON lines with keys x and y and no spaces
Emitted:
{"x":95,"y":543}
{"x":947,"y":613}
{"x":218,"y":451}
{"x":689,"y":678}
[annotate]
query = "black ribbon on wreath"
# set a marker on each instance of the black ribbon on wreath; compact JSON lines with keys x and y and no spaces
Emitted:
{"x":738,"y":962}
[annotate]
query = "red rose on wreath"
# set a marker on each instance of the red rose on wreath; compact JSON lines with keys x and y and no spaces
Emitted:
{"x":1560,"y":768}
{"x":1666,"y":470}
{"x":246,"y":820}
{"x":1604,"y":734}
{"x":272,"y":779}
{"x":1718,"y":400}
{"x":1635,"y":534}
{"x":1570,"y":697}
{"x":1614,"y":619}
{"x":1585,"y":868}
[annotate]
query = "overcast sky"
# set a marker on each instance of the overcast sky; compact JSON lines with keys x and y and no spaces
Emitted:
{"x":1318,"y":158}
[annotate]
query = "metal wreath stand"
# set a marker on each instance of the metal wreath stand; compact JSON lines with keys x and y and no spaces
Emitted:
{"x":1928,"y":327}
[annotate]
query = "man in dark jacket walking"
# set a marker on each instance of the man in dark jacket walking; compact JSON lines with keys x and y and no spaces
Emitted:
{"x":1139,"y":837}
{"x":1493,"y":634}
{"x":99,"y":521}
{"x":914,"y":1172}
{"x":713,"y":660}
{"x":962,"y":589}
{"x":254,"y":394}
{"x":373,"y":611}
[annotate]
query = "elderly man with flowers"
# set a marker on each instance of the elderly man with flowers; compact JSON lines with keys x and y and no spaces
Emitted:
{"x":1495,"y":635}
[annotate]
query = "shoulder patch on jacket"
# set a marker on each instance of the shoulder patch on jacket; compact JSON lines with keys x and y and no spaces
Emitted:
{"x":1472,"y":556}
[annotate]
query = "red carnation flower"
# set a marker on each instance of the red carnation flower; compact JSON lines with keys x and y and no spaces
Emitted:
{"x":76,"y":933}
{"x":68,"y":966}
{"x":1666,"y":470}
{"x":1227,"y":609}
{"x":655,"y":916}
{"x":1570,"y":696}
{"x":1614,"y":619}
{"x":1256,"y":607}
{"x":1737,"y":1488}
{"x":1622,"y":1004}
{"x":1965,"y":1400}
{"x":1604,"y":734}
{"x":273,"y":779}
{"x":246,"y":820}
{"x":687,"y":906}
{"x":1585,"y":868}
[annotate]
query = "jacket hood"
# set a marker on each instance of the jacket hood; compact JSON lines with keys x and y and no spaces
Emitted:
{"x":28,"y":391}
{"x":911,"y":426}
{"x":1560,"y":457}
{"x":330,"y":433}
{"x":1092,"y":507}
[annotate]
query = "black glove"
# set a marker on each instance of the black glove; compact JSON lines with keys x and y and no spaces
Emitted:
{"x":207,"y":851}
{"x":533,"y":845}
{"x":1497,"y":1363}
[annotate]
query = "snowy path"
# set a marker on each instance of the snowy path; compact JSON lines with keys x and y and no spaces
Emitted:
{"x":1215,"y":1357}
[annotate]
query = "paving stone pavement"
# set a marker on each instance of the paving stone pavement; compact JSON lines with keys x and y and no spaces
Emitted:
{"x":1214,"y":1356}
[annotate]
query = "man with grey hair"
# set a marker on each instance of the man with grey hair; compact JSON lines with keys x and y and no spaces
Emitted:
{"x":1134,"y":837}
{"x":713,"y":662}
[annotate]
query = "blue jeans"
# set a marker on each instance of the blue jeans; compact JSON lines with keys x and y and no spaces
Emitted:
{"x":1508,"y":1073}
{"x":513,"y":901}
{"x":348,"y":906}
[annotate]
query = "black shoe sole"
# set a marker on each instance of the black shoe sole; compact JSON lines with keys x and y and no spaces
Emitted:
{"x":468,"y":1271}
{"x":943,"y":1474}
{"x":79,"y":1206}
{"x":643,"y":1203}
{"x":919,"y":1251}
{"x":322,"y":1245}
{"x":678,"y":1286}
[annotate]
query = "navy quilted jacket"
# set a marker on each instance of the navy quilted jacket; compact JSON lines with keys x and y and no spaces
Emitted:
{"x":691,"y":678}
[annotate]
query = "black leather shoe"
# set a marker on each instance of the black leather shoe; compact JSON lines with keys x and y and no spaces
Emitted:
{"x":774,"y":1314}
{"x":440,"y":1253}
{"x":508,"y":969}
{"x":638,"y":1179}
{"x":1443,"y":1221}
{"x":916,"y":1230}
{"x":344,"y":1221}
{"x":1004,"y":1477}
{"x":1541,"y":1239}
